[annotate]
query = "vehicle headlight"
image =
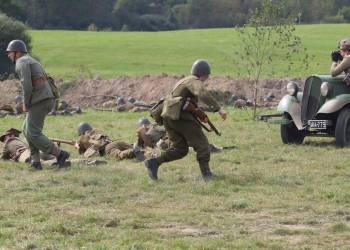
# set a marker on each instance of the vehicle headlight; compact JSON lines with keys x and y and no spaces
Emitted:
{"x":326,"y":89}
{"x":292,"y":88}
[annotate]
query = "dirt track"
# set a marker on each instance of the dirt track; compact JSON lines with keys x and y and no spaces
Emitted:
{"x":145,"y":88}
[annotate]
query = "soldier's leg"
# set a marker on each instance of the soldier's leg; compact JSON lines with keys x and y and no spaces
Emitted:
{"x":33,"y":132}
{"x":197,"y":139}
{"x":178,"y":144}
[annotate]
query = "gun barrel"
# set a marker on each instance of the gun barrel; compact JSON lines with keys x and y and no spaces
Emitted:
{"x":64,"y":141}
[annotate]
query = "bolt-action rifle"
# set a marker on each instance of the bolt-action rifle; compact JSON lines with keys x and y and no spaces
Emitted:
{"x":200,"y":116}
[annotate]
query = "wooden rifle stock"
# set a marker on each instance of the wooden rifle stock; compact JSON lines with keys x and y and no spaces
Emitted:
{"x":59,"y":141}
{"x":212,"y":127}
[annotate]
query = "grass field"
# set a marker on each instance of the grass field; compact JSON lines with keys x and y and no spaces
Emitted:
{"x":268,"y":195}
{"x":110,"y":54}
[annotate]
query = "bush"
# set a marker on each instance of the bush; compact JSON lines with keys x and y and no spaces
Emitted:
{"x":334,"y":19}
{"x":10,"y":30}
{"x":92,"y":27}
{"x":345,"y":12}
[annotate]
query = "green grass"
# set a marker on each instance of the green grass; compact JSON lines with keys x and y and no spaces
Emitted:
{"x":268,"y":195}
{"x":110,"y":54}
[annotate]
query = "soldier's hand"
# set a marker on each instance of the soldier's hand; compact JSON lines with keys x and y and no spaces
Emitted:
{"x":76,"y":145}
{"x":223,"y":114}
{"x":336,"y":56}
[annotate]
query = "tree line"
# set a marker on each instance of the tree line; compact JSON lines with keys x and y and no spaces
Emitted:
{"x":157,"y":15}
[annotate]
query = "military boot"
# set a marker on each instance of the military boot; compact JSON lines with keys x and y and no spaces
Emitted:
{"x":36,"y":165}
{"x":138,"y":153}
{"x":152,"y":166}
{"x":206,"y":173}
{"x":61,"y":159}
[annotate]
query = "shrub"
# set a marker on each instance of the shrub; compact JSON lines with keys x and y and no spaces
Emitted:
{"x":10,"y":29}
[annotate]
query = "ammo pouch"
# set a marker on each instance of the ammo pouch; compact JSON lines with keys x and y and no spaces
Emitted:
{"x":172,"y":107}
{"x":156,"y":111}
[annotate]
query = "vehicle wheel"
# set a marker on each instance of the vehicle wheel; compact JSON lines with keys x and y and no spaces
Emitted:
{"x":342,"y":129}
{"x":290,"y":134}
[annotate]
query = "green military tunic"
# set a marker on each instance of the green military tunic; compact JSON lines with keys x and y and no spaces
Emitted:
{"x":186,"y":131}
{"x":15,"y":149}
{"x":39,"y":100}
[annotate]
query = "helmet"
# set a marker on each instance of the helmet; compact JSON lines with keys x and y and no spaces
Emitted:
{"x":18,"y":99}
{"x":17,"y":45}
{"x":143,"y":121}
{"x":344,"y":44}
{"x":11,"y":131}
{"x":131,"y":99}
{"x":200,"y":68}
{"x":120,"y":100}
{"x":83,"y":127}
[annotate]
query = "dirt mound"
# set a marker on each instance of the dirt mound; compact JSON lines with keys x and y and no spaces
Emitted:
{"x":87,"y":92}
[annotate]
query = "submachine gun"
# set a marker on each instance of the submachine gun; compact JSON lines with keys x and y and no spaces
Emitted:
{"x":199,"y":115}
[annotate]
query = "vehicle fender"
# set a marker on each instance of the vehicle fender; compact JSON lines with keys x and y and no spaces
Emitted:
{"x":291,"y":105}
{"x":335,"y":104}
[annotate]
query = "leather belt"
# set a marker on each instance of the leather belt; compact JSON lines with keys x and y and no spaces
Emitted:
{"x":39,"y":80}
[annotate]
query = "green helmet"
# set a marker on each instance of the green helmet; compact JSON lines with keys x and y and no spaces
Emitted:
{"x":345,"y":44}
{"x":17,"y":46}
{"x":143,"y":121}
{"x":200,"y":67}
{"x":83,"y":127}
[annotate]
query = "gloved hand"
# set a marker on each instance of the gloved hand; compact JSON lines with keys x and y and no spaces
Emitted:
{"x":336,"y":56}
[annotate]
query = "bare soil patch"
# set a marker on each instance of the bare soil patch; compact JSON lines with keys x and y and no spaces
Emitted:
{"x":88,"y":92}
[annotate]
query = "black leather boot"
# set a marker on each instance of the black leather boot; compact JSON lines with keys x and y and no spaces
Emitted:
{"x":61,"y":158}
{"x":36,"y":165}
{"x":152,"y":166}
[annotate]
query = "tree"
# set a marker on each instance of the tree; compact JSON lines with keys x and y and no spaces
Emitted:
{"x":268,"y":43}
{"x":10,"y":30}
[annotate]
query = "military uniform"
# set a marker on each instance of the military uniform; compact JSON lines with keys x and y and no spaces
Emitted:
{"x":95,"y":143}
{"x":341,"y":64}
{"x":6,"y":110}
{"x":63,"y":108}
{"x":186,"y":130}
{"x":39,"y":100}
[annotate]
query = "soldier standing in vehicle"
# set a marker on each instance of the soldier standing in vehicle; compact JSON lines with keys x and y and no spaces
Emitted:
{"x":184,"y":130}
{"x":341,"y":59}
{"x":38,"y":100}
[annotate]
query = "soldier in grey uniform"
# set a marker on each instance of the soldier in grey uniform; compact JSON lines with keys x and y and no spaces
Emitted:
{"x":38,"y":100}
{"x":182,"y":127}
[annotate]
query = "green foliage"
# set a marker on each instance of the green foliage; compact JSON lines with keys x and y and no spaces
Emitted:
{"x":345,"y":12}
{"x":10,"y":30}
{"x":267,"y":39}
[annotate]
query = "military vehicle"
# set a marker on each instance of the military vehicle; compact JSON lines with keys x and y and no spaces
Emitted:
{"x":321,"y":109}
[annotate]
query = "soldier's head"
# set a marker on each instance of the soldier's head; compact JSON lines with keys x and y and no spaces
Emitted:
{"x":143,"y":122}
{"x":12,"y":132}
{"x":201,"y":69}
{"x":131,"y":99}
{"x":344,"y":46}
{"x":120,"y":100}
{"x":83,"y":127}
{"x":16,"y":49}
{"x":18,"y":99}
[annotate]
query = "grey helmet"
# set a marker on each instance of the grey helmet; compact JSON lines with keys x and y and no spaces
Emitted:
{"x":120,"y":100}
{"x":83,"y":127}
{"x":18,"y":99}
{"x":200,"y":67}
{"x":17,"y":46}
{"x":131,"y":99}
{"x":143,"y":121}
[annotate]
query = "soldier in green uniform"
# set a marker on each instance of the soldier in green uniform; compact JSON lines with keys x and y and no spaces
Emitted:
{"x":38,"y":101}
{"x":63,"y":108}
{"x":180,"y":124}
{"x":341,"y":59}
{"x":93,"y":142}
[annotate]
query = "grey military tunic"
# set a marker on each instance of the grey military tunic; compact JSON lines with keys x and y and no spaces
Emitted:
{"x":39,"y":100}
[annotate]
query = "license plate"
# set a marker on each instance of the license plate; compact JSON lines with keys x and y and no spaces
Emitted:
{"x":317,"y":124}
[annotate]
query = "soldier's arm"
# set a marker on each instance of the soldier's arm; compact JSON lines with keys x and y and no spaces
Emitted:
{"x":25,"y":77}
{"x":197,"y":89}
{"x":338,"y":68}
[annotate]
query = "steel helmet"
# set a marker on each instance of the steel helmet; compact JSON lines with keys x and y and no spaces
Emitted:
{"x":17,"y":46}
{"x":83,"y":127}
{"x":143,"y":121}
{"x":344,"y":44}
{"x":200,"y":67}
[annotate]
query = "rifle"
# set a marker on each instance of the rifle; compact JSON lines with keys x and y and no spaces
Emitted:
{"x":69,"y":142}
{"x":199,"y":115}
